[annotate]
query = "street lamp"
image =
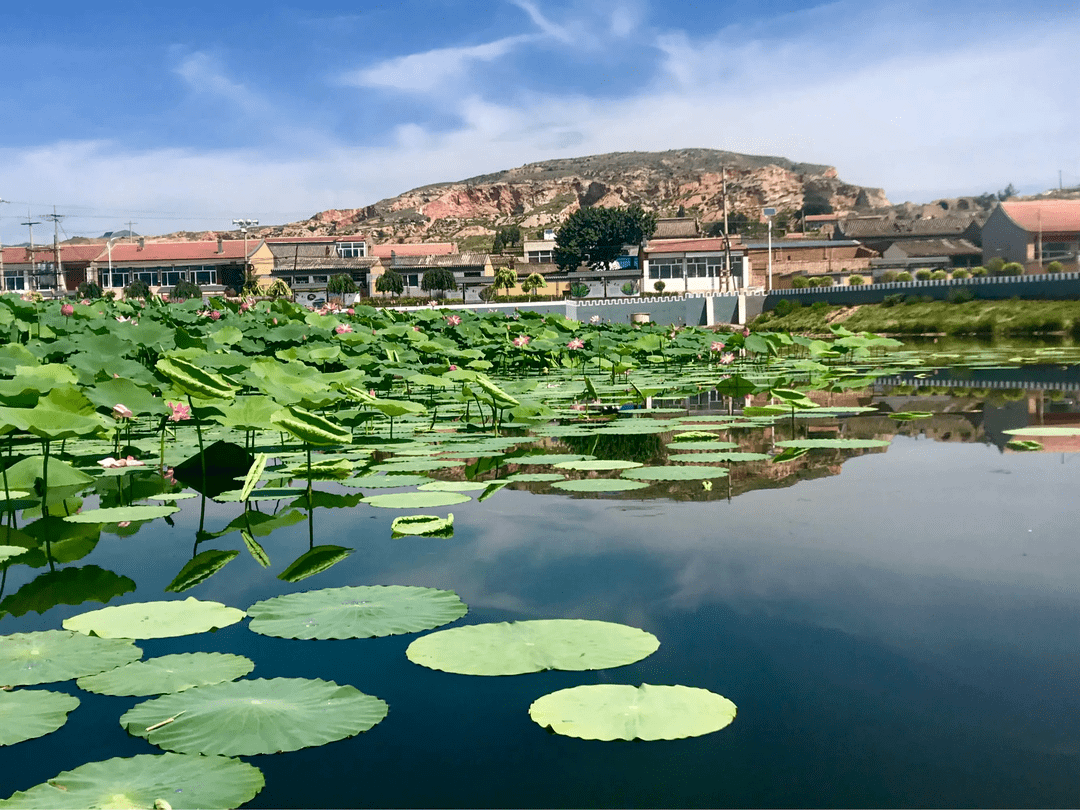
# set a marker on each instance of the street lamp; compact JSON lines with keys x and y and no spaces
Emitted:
{"x":769,"y":214}
{"x":244,"y":224}
{"x":108,"y":246}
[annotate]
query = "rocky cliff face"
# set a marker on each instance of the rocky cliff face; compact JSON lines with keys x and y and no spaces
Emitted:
{"x":544,"y":194}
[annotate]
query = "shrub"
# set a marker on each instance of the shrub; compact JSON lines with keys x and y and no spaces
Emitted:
{"x":892,"y":300}
{"x":911,"y":300}
{"x":800,"y":283}
{"x":939,"y":275}
{"x":659,"y":286}
{"x":960,"y":296}
{"x":390,"y":282}
{"x":628,"y":288}
{"x":137,"y":289}
{"x":825,"y":281}
{"x":995,"y":265}
{"x":1053,"y":267}
{"x":814,"y":282}
{"x":889,"y":276}
{"x":922,"y":275}
{"x":817,"y":306}
{"x":904,"y":275}
{"x":978,"y":271}
{"x":786,"y":307}
{"x":579,"y":290}
{"x":89,"y":289}
{"x":961,"y":273}
{"x":856,"y":281}
{"x":342,"y":284}
{"x":1013,"y":269}
{"x":185,"y":289}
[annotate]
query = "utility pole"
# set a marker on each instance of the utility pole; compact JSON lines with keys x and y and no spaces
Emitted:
{"x":727,"y":237}
{"x":244,"y":224}
{"x":30,"y":251}
{"x":3,"y":283}
{"x":131,"y":233}
{"x":58,"y":267}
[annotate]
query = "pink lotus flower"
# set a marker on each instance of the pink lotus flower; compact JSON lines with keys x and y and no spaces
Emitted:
{"x":716,"y":346}
{"x":746,"y":331}
{"x":114,"y":463}
{"x":351,"y":311}
{"x":123,"y":524}
{"x":452,"y":367}
{"x":67,"y":310}
{"x":275,"y":321}
{"x":180,"y":411}
{"x":121,"y":411}
{"x":169,"y":474}
{"x":85,"y":302}
{"x":594,"y":319}
{"x":122,"y":319}
{"x":342,"y":328}
{"x":453,"y":320}
{"x":727,"y":359}
{"x":416,"y":328}
{"x":576,"y":343}
{"x":521,"y":341}
{"x":215,"y":315}
{"x":244,"y":307}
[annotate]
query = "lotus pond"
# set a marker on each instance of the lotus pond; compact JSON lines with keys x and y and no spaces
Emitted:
{"x":254,"y":555}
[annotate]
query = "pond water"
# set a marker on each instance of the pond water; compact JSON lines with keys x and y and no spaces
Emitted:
{"x":897,"y":626}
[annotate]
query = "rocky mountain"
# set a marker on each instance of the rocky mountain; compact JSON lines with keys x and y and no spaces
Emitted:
{"x":544,"y":194}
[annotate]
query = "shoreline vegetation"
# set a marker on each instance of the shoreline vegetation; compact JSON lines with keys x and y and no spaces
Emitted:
{"x":917,"y":315}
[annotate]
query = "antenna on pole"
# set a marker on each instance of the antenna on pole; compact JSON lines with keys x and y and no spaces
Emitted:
{"x":131,"y":233}
{"x":58,"y":267}
{"x":30,"y":223}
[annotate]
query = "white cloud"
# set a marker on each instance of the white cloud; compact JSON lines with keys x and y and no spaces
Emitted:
{"x":204,"y":75}
{"x":556,"y":32}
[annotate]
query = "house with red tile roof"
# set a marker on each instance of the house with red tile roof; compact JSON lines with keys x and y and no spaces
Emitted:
{"x":1033,"y":232}
{"x":213,"y":265}
{"x":24,"y":269}
{"x":694,"y":265}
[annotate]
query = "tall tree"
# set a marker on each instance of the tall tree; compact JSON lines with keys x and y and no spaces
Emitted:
{"x":341,"y":285}
{"x":390,"y":282}
{"x":596,"y":236}
{"x":438,"y":279}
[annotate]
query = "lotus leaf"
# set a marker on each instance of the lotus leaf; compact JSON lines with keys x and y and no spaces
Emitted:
{"x":67,"y":586}
{"x":453,"y":486}
{"x":694,"y":436}
{"x":253,"y":474}
{"x":418,"y":465}
{"x":314,"y":561}
{"x":167,"y":674}
{"x":423,"y":526}
{"x":155,"y":619}
{"x":513,"y":648}
{"x":118,"y":514}
{"x":416,"y":500}
{"x":550,"y":458}
{"x":180,"y":780}
{"x":537,"y":478}
{"x":194,"y":381}
{"x":599,"y":485}
{"x":200,"y":567}
{"x":723,"y":457}
{"x":622,"y":712}
{"x":1034,"y":430}
{"x":29,"y":713}
{"x":684,"y":473}
{"x":249,"y":717}
{"x":384,"y":481}
{"x":7,"y":552}
{"x":309,"y":427}
{"x":843,"y":444}
{"x":1021,"y":446}
{"x":57,"y":655}
{"x":907,"y":416}
{"x":599,"y":464}
{"x":355,"y":612}
{"x":711,"y":446}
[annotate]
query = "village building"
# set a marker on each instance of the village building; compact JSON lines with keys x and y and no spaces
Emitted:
{"x":1033,"y":233}
{"x":212,"y":265}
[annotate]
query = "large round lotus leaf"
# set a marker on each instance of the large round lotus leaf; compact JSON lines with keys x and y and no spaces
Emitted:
{"x":454,"y":486}
{"x":842,"y":444}
{"x":244,"y":718}
{"x":384,"y":481}
{"x":29,"y":713}
{"x":416,"y":500}
{"x":634,"y":427}
{"x":599,"y":464}
{"x":7,"y":552}
{"x":599,"y":485}
{"x":1039,"y":430}
{"x":155,"y":619}
{"x":169,"y":673}
{"x":356,"y":612}
{"x":695,"y":436}
{"x":709,"y":446}
{"x":551,"y":458}
{"x":688,"y":472}
{"x":181,"y":780}
{"x":512,"y":648}
{"x":423,"y":526}
{"x":120,"y":514}
{"x":534,"y":478}
{"x":418,"y":465}
{"x":723,"y":456}
{"x":59,"y":655}
{"x":621,"y":712}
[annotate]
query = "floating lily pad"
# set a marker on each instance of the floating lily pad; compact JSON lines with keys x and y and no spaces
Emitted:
{"x":622,"y":712}
{"x":8,"y":552}
{"x":423,"y":526}
{"x":1040,"y":430}
{"x":513,"y":648}
{"x":710,"y":446}
{"x":167,"y":674}
{"x":66,"y":586}
{"x":181,"y":780}
{"x":722,"y":457}
{"x":840,"y":444}
{"x":908,"y":416}
{"x":120,"y":514}
{"x":551,"y":458}
{"x":384,"y":481}
{"x":200,"y":567}
{"x":314,"y":561}
{"x":355,"y":612}
{"x":416,"y":500}
{"x":59,"y":655}
{"x":155,"y":619}
{"x":172,"y":496}
{"x":1024,"y":446}
{"x":453,"y":486}
{"x":687,"y":472}
{"x":418,"y":465}
{"x":695,"y":436}
{"x":29,"y":713}
{"x":599,"y":485}
{"x":534,"y":478}
{"x":599,"y":464}
{"x":245,"y":718}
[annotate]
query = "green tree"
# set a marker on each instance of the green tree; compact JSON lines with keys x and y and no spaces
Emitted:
{"x":438,"y":279}
{"x":505,"y":278}
{"x":137,"y":289}
{"x":1053,"y":267}
{"x":390,"y":282}
{"x":532,"y":283}
{"x":579,"y":290}
{"x":88,"y":289}
{"x":596,"y":236}
{"x":185,"y":290}
{"x":341,"y":285}
{"x":659,"y":286}
{"x":995,"y":265}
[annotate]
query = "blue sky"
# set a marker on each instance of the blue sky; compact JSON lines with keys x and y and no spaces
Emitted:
{"x":186,"y":115}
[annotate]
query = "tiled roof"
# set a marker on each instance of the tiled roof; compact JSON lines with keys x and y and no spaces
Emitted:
{"x":292,"y":240}
{"x":787,"y":244}
{"x":938,"y":247}
{"x":676,"y":228}
{"x":1047,"y":215}
{"x":857,"y":228}
{"x":682,"y":245}
{"x":182,"y":251}
{"x":44,"y":253}
{"x":451,"y":260}
{"x":325,"y":263}
{"x":420,"y":249}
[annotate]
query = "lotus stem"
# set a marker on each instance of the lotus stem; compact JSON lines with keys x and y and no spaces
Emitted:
{"x":198,"y":432}
{"x":164,"y":722}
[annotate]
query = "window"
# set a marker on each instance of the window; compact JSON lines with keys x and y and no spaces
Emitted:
{"x":13,"y":280}
{"x":170,"y":278}
{"x":665,"y":268}
{"x":301,"y":280}
{"x":541,"y":257}
{"x":206,"y":275}
{"x":352,"y":250}
{"x":472,"y":273}
{"x":149,"y":276}
{"x":412,"y":280}
{"x":696,"y":268}
{"x":117,"y":279}
{"x":319,"y":279}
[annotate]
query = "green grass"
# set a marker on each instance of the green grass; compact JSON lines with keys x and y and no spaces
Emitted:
{"x":1012,"y":317}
